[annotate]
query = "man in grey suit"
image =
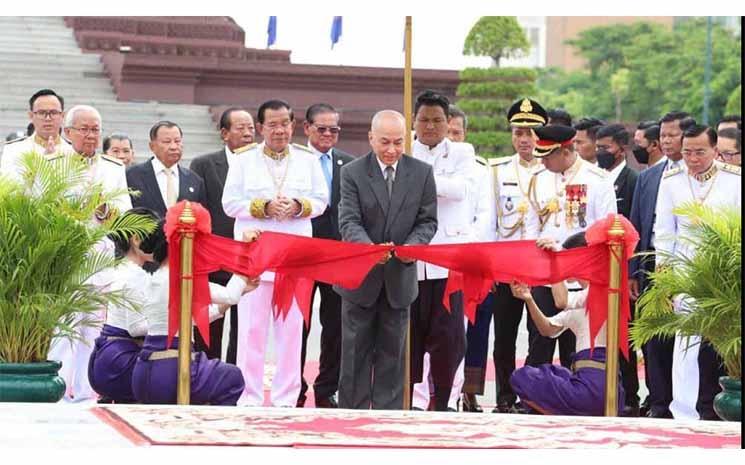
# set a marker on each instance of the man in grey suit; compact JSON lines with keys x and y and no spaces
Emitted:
{"x":385,"y":199}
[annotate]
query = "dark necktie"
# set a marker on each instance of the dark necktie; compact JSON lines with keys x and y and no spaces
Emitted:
{"x":389,"y":179}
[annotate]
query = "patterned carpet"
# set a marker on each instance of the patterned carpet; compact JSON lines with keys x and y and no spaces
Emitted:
{"x":193,"y":425}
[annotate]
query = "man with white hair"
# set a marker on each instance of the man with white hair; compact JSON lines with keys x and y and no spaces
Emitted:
{"x":82,"y":126}
{"x":46,"y":110}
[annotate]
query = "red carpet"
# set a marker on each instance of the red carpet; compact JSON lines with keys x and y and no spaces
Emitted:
{"x":171,"y":425}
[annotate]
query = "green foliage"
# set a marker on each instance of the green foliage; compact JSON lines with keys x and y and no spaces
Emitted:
{"x":484,"y":106}
{"x":496,"y":37}
{"x":711,"y":277}
{"x":734,"y":102}
{"x":666,"y":71}
{"x":48,"y":254}
{"x":490,"y":74}
{"x":495,"y":89}
{"x":486,"y":123}
{"x":491,"y":144}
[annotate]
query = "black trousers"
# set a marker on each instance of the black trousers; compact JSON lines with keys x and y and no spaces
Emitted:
{"x":327,"y":381}
{"x":439,"y":332}
{"x":540,"y":348}
{"x":659,"y":361}
{"x":477,"y":347}
{"x":629,"y":375}
{"x":710,"y":368}
{"x":508,"y":311}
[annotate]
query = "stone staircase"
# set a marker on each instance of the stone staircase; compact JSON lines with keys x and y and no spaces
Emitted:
{"x":41,"y":52}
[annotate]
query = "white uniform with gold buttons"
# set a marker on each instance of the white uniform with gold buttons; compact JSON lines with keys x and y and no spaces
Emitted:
{"x":10,"y":159}
{"x":255,"y":177}
{"x":558,"y":214}
{"x":718,"y":187}
{"x":511,"y":177}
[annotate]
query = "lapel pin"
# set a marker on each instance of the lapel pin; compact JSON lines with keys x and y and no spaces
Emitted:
{"x":191,"y":189}
{"x":339,"y":162}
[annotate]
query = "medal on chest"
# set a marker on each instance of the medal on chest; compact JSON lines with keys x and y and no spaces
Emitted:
{"x":576,"y":205}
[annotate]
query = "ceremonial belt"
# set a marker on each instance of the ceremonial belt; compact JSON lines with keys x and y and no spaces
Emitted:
{"x":137,"y":341}
{"x":166,"y":354}
{"x":587,"y":364}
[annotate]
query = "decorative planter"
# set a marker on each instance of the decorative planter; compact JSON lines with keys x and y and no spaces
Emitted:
{"x":31,"y":382}
{"x":728,"y":403}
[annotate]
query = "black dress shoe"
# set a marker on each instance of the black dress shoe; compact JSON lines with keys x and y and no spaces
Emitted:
{"x":504,"y":408}
{"x":659,"y":414}
{"x":326,"y":402}
{"x":629,"y":411}
{"x":470,"y":404}
{"x":451,"y":409}
{"x":300,"y":402}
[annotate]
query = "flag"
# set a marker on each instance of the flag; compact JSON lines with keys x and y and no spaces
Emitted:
{"x":335,"y":30}
{"x":271,"y":31}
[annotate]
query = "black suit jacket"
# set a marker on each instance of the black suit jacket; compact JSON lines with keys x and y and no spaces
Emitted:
{"x":141,"y":178}
{"x":368,"y":215}
{"x":643,"y":218}
{"x":624,"y":186}
{"x":326,"y":226}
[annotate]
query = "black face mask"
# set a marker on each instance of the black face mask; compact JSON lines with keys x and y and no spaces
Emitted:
{"x":641,"y":154}
{"x":605,"y":159}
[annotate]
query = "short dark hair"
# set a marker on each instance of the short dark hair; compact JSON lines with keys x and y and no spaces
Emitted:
{"x":274,"y":104}
{"x":30,"y":129}
{"x":652,"y":133}
{"x":225,"y":117}
{"x":43,"y":93}
{"x":456,"y":112}
{"x":156,"y":243}
{"x":121,"y":241}
{"x":731,"y":133}
{"x":617,"y":132}
{"x":686,"y":123}
{"x":646,"y":124}
{"x":316,"y":109}
{"x":698,"y":129}
{"x":163,"y":124}
{"x":560,"y":116}
{"x":574,"y":241}
{"x":431,"y":98}
{"x":671,"y":116}
{"x":731,"y":119}
{"x":116,"y":136}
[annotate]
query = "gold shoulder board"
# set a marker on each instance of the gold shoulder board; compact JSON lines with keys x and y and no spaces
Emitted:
{"x":245,"y":148}
{"x":730,"y":168}
{"x":672,"y":172}
{"x":302,"y":147}
{"x":111,"y":159}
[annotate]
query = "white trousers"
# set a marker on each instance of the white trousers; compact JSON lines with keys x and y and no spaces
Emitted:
{"x":74,"y":356}
{"x":685,"y":370}
{"x":420,"y":398}
{"x":256,"y":316}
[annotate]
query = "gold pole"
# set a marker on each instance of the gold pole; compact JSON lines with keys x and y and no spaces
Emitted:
{"x":184,"y":344}
{"x":407,"y":149}
{"x":611,"y":350}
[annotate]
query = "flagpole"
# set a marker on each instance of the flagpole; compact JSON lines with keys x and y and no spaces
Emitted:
{"x":407,"y":150}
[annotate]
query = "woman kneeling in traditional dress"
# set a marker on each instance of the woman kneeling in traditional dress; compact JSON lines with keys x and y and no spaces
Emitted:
{"x":155,"y":374}
{"x":552,"y":389}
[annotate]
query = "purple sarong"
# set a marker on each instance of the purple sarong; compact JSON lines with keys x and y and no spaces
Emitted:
{"x":555,"y":390}
{"x":212,"y":381}
{"x":111,"y":364}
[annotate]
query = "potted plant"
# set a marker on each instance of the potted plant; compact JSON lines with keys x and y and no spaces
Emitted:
{"x":47,"y":255}
{"x":712,"y":278}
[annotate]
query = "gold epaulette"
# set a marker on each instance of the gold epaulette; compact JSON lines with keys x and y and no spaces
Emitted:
{"x":111,"y":159}
{"x":53,"y":156}
{"x":302,"y":147}
{"x":245,"y":148}
{"x":672,"y":172}
{"x":730,"y":168}
{"x":481,"y":161}
{"x":597,"y":170}
{"x":499,"y":161}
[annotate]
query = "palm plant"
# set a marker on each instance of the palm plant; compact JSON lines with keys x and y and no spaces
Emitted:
{"x":711,"y":277}
{"x":48,"y":255}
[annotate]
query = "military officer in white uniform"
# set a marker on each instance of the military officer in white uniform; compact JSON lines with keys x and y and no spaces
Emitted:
{"x":82,"y":126}
{"x":435,"y":330}
{"x":568,"y":196}
{"x":714,"y":184}
{"x":272,"y":186}
{"x":46,"y":111}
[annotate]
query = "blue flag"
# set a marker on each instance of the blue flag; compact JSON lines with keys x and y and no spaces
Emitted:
{"x":335,"y":30}
{"x":271,"y":31}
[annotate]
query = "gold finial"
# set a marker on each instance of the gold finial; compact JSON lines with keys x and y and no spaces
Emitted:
{"x":525,"y":106}
{"x":187,"y":215}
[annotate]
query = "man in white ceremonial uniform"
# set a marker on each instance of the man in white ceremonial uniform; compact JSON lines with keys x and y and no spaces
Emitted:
{"x":568,"y":196}
{"x":46,"y":111}
{"x":272,"y":186}
{"x":714,"y":184}
{"x":435,"y":330}
{"x":82,"y":126}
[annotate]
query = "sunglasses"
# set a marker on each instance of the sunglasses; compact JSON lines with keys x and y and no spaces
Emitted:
{"x":329,"y":129}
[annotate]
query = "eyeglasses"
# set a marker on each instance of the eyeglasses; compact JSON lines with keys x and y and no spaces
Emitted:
{"x":729,"y":155}
{"x":86,"y":131}
{"x":47,"y":114}
{"x":329,"y":129}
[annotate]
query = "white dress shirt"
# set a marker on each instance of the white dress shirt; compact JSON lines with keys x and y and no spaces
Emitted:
{"x":162,"y":178}
{"x":574,"y":318}
{"x":615,"y":172}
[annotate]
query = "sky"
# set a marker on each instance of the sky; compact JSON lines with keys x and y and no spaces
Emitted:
{"x":367,"y":39}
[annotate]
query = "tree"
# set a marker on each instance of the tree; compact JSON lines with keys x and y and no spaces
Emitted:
{"x":619,"y":85}
{"x":496,"y":37}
